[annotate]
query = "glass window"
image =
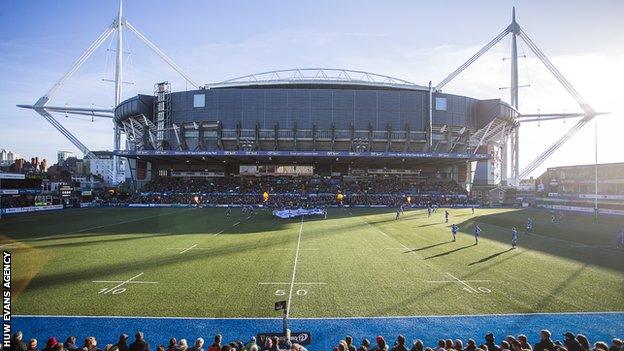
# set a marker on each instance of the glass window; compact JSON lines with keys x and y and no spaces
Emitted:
{"x":440,"y":104}
{"x":199,"y":100}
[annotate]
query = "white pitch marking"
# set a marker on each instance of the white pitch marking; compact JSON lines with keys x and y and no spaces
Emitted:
{"x":219,"y":233}
{"x":292,"y":281}
{"x":299,"y":249}
{"x":185,"y":249}
{"x":286,"y":283}
{"x":235,"y":224}
{"x":460,"y":281}
{"x":454,"y":281}
{"x":119,"y":281}
{"x":7,"y":245}
{"x":189,"y":248}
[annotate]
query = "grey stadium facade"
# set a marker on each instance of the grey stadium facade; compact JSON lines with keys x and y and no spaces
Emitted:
{"x":330,"y":120}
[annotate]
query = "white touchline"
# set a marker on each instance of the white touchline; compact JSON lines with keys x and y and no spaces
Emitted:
{"x":598,"y":313}
{"x":286,"y":283}
{"x":292,"y":281}
{"x":235,"y":224}
{"x":219,"y":233}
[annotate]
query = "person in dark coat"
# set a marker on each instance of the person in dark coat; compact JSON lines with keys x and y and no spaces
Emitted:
{"x":139,"y":343}
{"x":349,"y":341}
{"x":470,"y":345}
{"x":489,"y":342}
{"x":418,"y":345}
{"x":16,"y":342}
{"x":122,"y":344}
{"x":400,"y":344}
{"x":70,"y":343}
{"x":571,"y":343}
{"x":365,"y":345}
{"x":545,"y":342}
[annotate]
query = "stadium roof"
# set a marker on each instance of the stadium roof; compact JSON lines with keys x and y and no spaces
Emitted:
{"x":327,"y":76}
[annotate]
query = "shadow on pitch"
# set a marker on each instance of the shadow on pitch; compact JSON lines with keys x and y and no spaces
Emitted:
{"x":449,"y":252}
{"x":485,"y":259}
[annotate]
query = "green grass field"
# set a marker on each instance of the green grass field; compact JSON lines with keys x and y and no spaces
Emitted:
{"x":357,"y":262}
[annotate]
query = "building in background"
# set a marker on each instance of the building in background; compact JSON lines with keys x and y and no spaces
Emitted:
{"x":102,"y":166}
{"x":574,"y":188}
{"x":7,"y":157}
{"x":64,"y":155}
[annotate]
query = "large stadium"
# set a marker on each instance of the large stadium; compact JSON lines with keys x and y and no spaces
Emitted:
{"x":309,"y":209}
{"x":319,"y":121}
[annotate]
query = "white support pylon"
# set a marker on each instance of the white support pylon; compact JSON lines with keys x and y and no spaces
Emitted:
{"x":588,"y":112}
{"x":117,"y":26}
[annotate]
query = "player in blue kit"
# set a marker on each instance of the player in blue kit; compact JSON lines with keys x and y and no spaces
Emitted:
{"x":454,"y":229}
{"x":529,"y":227}
{"x":476,"y":232}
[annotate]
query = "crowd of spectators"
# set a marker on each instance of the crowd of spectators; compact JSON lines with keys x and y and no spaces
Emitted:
{"x":288,"y":192}
{"x":570,"y":342}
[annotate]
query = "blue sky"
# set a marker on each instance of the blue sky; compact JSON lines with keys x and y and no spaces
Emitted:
{"x":213,"y":41}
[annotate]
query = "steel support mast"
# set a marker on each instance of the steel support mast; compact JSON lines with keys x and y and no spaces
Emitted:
{"x":117,"y":26}
{"x":512,"y":162}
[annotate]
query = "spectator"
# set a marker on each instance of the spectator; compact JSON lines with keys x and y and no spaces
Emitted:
{"x":173,"y":344}
{"x":274,"y":343}
{"x":182,"y":345}
{"x":601,"y":346}
{"x":298,"y":347}
{"x":50,"y":344}
{"x":70,"y":343}
{"x":545,"y":343}
{"x":199,"y":345}
{"x":471,"y":346}
{"x":365,"y":345}
{"x":58,"y":347}
{"x":122,"y":343}
{"x":90,"y":344}
{"x":16,"y":342}
{"x":524,"y":343}
{"x":582,"y":339}
{"x":458,"y":345}
{"x":381,"y":344}
{"x":160,"y":347}
{"x":32,"y":345}
{"x":139,"y":343}
{"x":616,"y":345}
{"x":342,"y":346}
{"x":441,"y":345}
{"x":489,"y":342}
{"x":216,"y":345}
{"x":571,"y":344}
{"x":505,"y":345}
{"x":418,"y":345}
{"x":349,"y":341}
{"x":400,"y":344}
